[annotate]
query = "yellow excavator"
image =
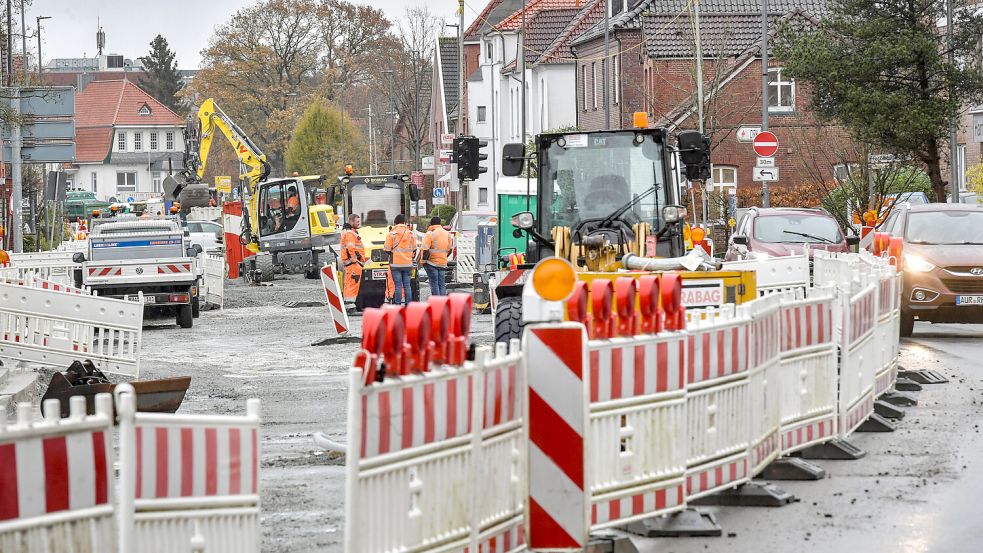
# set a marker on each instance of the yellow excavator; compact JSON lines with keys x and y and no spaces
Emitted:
{"x":287,"y":222}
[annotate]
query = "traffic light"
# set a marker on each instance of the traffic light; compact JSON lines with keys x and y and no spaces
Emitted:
{"x":467,"y":154}
{"x":694,"y":151}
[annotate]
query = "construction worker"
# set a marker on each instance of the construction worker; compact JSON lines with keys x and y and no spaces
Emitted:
{"x":401,"y":246}
{"x":352,"y":258}
{"x":293,"y":202}
{"x":433,"y":257}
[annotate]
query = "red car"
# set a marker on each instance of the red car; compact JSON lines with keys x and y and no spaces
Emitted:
{"x":777,"y":232}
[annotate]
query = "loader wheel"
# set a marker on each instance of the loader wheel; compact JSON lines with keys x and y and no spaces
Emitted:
{"x":264,"y":264}
{"x":508,"y":319}
{"x":312,"y":274}
{"x":185,"y":318}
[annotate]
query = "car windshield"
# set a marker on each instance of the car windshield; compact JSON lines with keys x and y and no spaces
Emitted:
{"x":470,"y":222}
{"x":945,"y":227}
{"x":797,"y":229}
{"x":592,"y":175}
{"x":376,"y":205}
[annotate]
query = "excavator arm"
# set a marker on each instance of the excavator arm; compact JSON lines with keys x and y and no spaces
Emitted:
{"x":253,"y":166}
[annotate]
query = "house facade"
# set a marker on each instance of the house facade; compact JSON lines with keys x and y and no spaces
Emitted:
{"x":126,"y":142}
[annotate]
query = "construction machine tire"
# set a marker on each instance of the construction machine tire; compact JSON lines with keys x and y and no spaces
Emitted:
{"x":196,"y":307}
{"x":907,"y":324}
{"x":185,"y":318}
{"x":508,"y":319}
{"x":312,"y":274}
{"x":264,"y":264}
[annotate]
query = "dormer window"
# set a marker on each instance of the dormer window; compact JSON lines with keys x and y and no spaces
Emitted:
{"x":144,"y":110}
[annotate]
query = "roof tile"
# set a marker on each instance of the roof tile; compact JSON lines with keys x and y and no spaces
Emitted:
{"x":92,"y":144}
{"x":514,"y":21}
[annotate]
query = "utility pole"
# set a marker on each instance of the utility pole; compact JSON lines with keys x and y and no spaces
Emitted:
{"x":372,"y":164}
{"x":954,"y":164}
{"x":416,"y":112}
{"x":16,"y":192}
{"x":704,"y":208}
{"x":10,"y":46}
{"x":23,"y":37}
{"x":39,"y":19}
{"x":459,"y":199}
{"x":604,"y":64}
{"x":522,"y":53}
{"x":765,"y":194}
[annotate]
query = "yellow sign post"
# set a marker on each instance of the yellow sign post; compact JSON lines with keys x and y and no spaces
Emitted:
{"x":223,"y":184}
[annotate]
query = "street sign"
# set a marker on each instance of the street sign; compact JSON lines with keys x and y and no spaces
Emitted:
{"x":427,"y":164}
{"x":445,"y":156}
{"x":747,"y":133}
{"x":49,"y":101}
{"x":439,"y":192}
{"x":765,"y":174}
{"x":43,"y":153}
{"x":765,"y":144}
{"x":53,"y":129}
{"x":417,"y":178}
{"x":438,"y":201}
{"x":765,"y":162}
{"x":447,"y":138}
{"x":130,"y":200}
{"x":223,"y":184}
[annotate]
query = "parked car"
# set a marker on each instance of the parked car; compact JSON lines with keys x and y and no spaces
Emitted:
{"x":943,"y":262}
{"x":207,"y":234}
{"x":777,"y":232}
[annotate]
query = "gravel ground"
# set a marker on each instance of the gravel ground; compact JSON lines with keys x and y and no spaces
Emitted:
{"x":915,"y":490}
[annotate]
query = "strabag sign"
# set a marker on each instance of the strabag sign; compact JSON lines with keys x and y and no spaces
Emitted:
{"x":703,"y":293}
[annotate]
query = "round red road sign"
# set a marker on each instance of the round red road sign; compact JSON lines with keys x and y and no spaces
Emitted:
{"x":765,"y":144}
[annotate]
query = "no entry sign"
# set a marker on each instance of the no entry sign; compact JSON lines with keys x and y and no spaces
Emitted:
{"x":765,"y":144}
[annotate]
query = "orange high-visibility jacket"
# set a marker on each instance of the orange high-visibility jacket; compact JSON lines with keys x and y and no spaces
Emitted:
{"x":437,"y":241}
{"x":402,"y":244}
{"x":351,"y":243}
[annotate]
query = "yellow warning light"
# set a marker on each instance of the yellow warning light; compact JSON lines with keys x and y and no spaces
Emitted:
{"x":640,"y":119}
{"x":698,"y":234}
{"x":553,"y":279}
{"x":349,"y":170}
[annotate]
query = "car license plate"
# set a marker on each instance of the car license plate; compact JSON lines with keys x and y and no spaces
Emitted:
{"x":969,"y":300}
{"x":379,"y":274}
{"x":146,"y":299}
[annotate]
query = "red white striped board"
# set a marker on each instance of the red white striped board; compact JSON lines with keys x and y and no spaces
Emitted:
{"x":173,"y":268}
{"x":196,"y":461}
{"x":714,"y":477}
{"x":806,"y":325}
{"x":105,"y":271}
{"x":336,"y":305}
{"x":643,"y":505}
{"x":634,"y":369}
{"x":862,"y":316}
{"x":717,"y":352}
{"x":558,"y":509}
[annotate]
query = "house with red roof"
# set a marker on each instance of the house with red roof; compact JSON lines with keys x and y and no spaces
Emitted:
{"x":126,"y":141}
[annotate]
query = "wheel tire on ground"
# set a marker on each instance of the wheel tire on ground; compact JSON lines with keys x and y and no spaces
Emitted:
{"x":907,"y":324}
{"x":508,"y":319}
{"x":264,"y":264}
{"x":195,"y":307}
{"x":185,"y":318}
{"x":312,"y":274}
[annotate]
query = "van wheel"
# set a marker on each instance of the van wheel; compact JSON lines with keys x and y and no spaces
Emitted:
{"x":508,"y":319}
{"x":196,"y":307}
{"x":907,"y":324}
{"x":185,"y":318}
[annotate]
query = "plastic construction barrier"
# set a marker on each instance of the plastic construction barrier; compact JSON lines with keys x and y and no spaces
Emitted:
{"x":776,"y":274}
{"x":214,"y":279}
{"x":436,"y":444}
{"x":46,"y":324}
{"x":235,"y":252}
{"x":56,"y":266}
{"x":56,"y":479}
{"x":185,"y":474}
{"x":888,"y":326}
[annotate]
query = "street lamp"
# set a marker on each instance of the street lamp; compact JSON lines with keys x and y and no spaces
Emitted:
{"x":392,"y":120}
{"x":39,"y":19}
{"x":416,"y":110}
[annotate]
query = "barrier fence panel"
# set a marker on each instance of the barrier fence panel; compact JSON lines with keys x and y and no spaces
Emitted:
{"x":887,"y":329}
{"x":765,"y":381}
{"x":55,"y":479}
{"x":775,"y":274}
{"x":808,"y":381}
{"x":56,"y":266}
{"x":53,"y":328}
{"x":182,"y":472}
{"x":214,"y":280}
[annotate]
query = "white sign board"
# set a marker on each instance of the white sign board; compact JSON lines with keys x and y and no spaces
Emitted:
{"x":438,"y":201}
{"x":765,"y":174}
{"x":703,"y":293}
{"x":447,"y":138}
{"x":978,"y":127}
{"x":426,"y":162}
{"x":747,"y":133}
{"x":766,"y":162}
{"x":445,"y":156}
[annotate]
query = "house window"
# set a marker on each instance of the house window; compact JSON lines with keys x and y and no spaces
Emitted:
{"x":95,"y":182}
{"x":482,"y":113}
{"x":542,"y":104}
{"x":144,"y":110}
{"x":489,"y":50}
{"x":961,"y":167}
{"x":843,"y":171}
{"x":170,"y":140}
{"x":153,"y":141}
{"x":616,"y":65}
{"x":155,"y":178}
{"x":781,"y":91}
{"x":583,"y":83}
{"x":593,"y":84}
{"x":121,"y":142}
{"x":483,"y":195}
{"x":617,"y":6}
{"x":126,"y":181}
{"x":138,"y":141}
{"x":725,"y":176}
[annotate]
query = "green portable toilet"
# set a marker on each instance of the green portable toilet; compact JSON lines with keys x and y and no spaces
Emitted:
{"x":511,"y":192}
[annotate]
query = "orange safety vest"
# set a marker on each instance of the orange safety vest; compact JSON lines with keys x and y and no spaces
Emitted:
{"x":402,"y":244}
{"x":437,"y":241}
{"x":293,"y":204}
{"x":351,"y":243}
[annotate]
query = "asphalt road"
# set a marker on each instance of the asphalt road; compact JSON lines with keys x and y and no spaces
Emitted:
{"x":914,"y":492}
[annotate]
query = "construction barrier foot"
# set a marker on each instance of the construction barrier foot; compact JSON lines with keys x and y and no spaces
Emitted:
{"x":887,"y":410}
{"x":900,"y":399}
{"x":342,"y":339}
{"x":689,"y":523}
{"x":835,"y":450}
{"x":876,"y":423}
{"x":752,"y":494}
{"x":923,"y":376}
{"x":610,"y":543}
{"x":793,"y":468}
{"x":297,"y":304}
{"x":907,"y":385}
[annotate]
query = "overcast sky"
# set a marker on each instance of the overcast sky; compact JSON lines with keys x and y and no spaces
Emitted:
{"x":186,"y":24}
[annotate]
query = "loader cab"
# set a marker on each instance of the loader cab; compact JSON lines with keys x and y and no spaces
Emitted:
{"x":287,"y":218}
{"x":377,"y":199}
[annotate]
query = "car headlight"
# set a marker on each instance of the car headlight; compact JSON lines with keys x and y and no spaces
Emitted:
{"x":917,"y":264}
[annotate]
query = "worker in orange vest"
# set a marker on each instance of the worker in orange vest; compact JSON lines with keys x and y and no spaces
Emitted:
{"x":401,"y":247}
{"x":436,"y":248}
{"x":352,"y":258}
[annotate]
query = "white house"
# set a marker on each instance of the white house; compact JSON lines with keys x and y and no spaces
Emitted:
{"x":126,"y":141}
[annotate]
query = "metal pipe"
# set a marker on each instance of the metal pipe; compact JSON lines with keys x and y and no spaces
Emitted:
{"x":954,"y":164}
{"x":765,"y":195}
{"x":23,"y":38}
{"x":607,"y":62}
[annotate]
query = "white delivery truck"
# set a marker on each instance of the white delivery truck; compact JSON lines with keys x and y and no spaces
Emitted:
{"x":153,"y":256}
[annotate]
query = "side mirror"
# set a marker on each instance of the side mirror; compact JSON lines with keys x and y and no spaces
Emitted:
{"x":673,"y":214}
{"x":414,"y":192}
{"x":852,"y":240}
{"x":513,"y":159}
{"x":330,"y":196}
{"x":78,"y":257}
{"x":740,"y":240}
{"x":523,"y":220}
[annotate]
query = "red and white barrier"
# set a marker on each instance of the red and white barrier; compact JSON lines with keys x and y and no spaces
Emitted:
{"x":775,"y":274}
{"x":765,"y":382}
{"x":179,"y":472}
{"x":213,"y":280}
{"x":336,"y":303}
{"x":55,"y":266}
{"x":55,"y":479}
{"x":888,"y":326}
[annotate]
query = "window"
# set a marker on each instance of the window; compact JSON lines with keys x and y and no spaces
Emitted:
{"x":616,"y":65}
{"x":617,"y":6}
{"x":542,"y":104}
{"x":960,"y":167}
{"x":724,"y":183}
{"x":583,"y":83}
{"x":593,"y":83}
{"x":126,"y":182}
{"x":138,"y":141}
{"x":170,"y":140}
{"x":842,"y":172}
{"x":278,"y":209}
{"x":95,"y":182}
{"x":153,"y":141}
{"x":121,"y":142}
{"x":144,"y":110}
{"x":482,"y":113}
{"x":155,"y":178}
{"x":489,"y":50}
{"x":483,"y":195}
{"x":781,"y":91}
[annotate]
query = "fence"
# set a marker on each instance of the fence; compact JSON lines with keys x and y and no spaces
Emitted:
{"x":56,"y":266}
{"x":214,"y":279}
{"x":466,"y":249}
{"x":49,"y":324}
{"x":776,"y":274}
